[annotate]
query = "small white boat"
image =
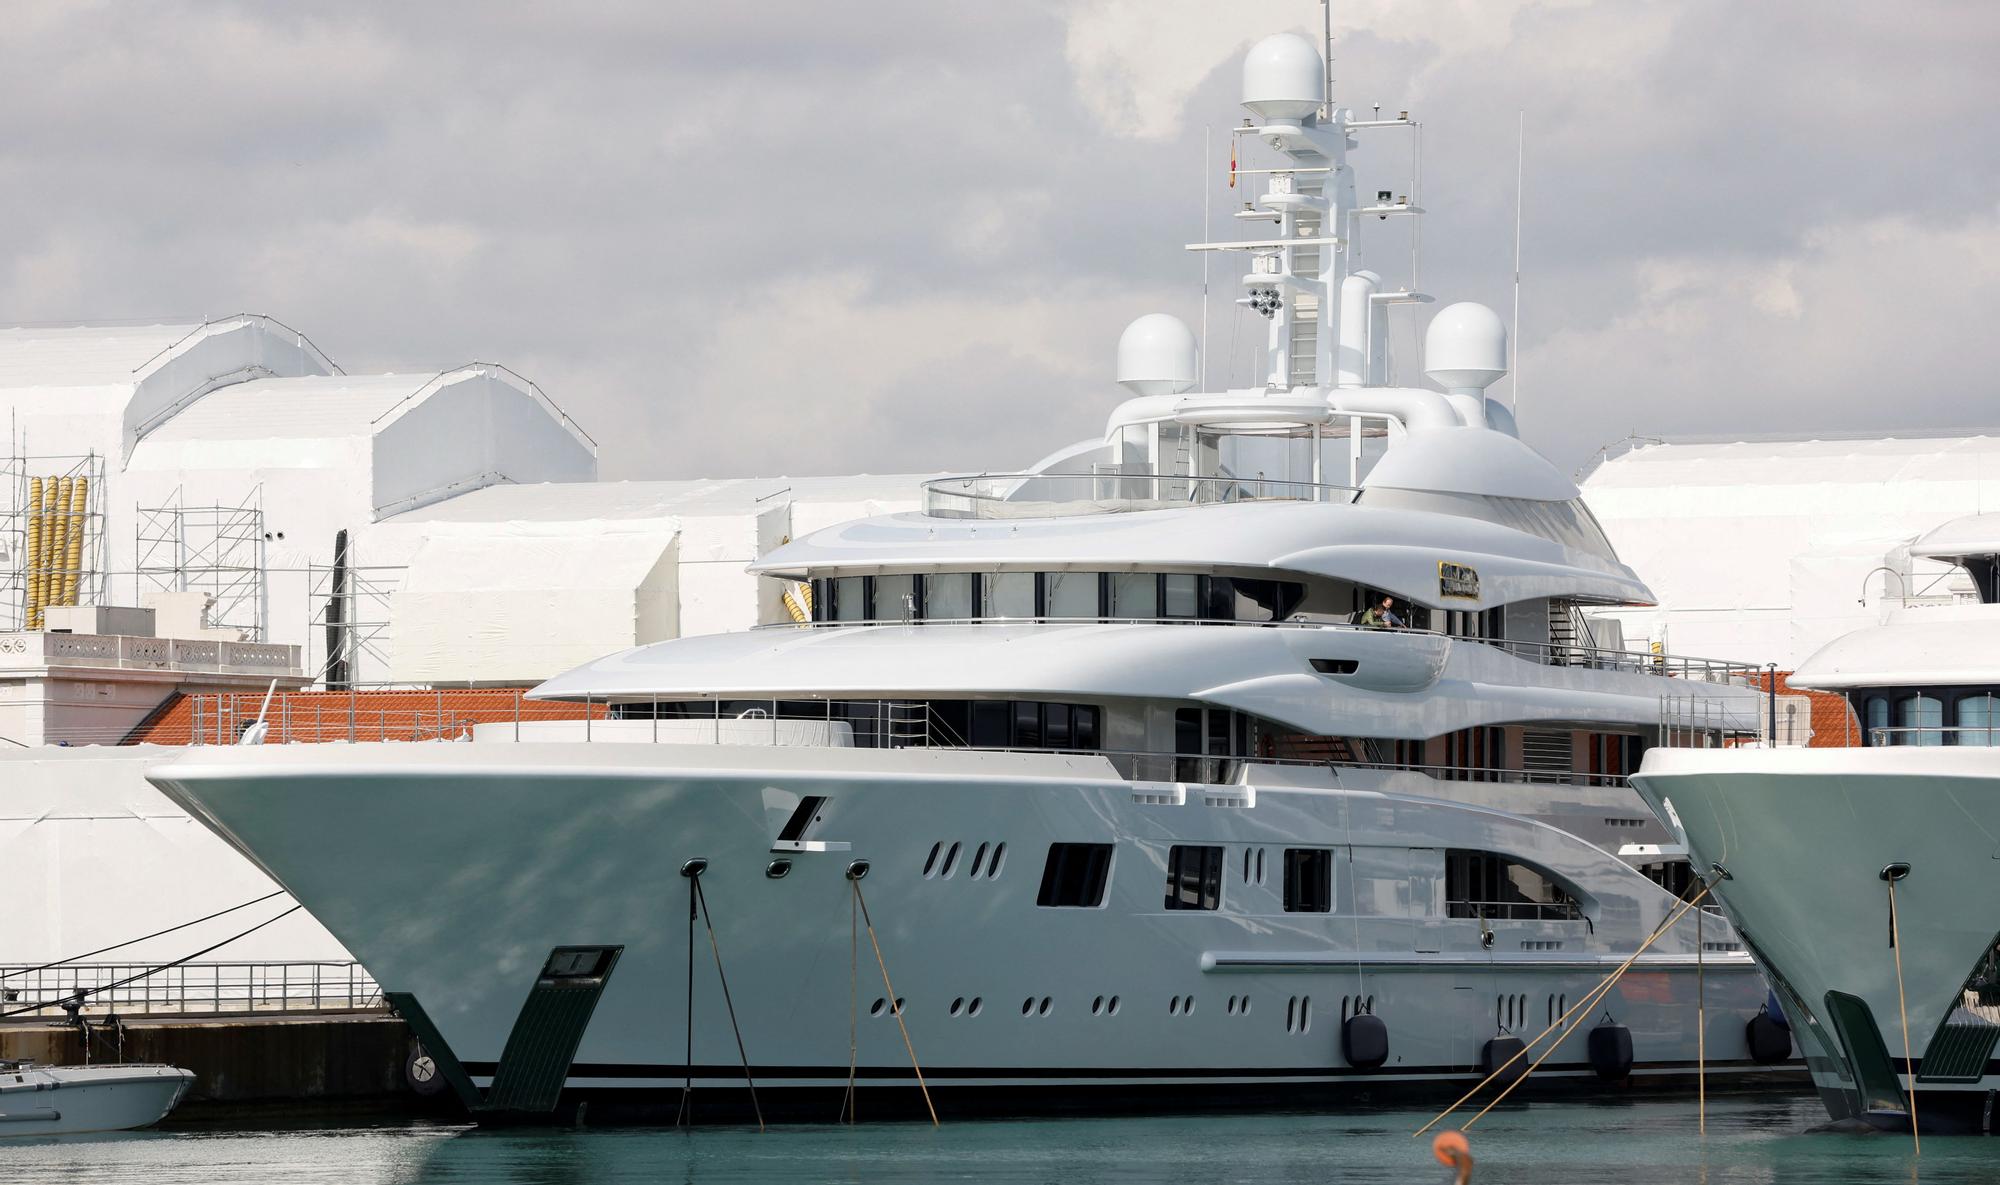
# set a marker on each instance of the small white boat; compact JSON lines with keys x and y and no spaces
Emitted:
{"x":67,"y":1100}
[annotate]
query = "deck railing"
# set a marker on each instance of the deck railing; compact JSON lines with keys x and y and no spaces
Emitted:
{"x":191,"y":989}
{"x":1930,"y":735}
{"x":1065,"y":495}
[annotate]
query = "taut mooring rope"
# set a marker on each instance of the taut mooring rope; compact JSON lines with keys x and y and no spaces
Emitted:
{"x":891,"y":989}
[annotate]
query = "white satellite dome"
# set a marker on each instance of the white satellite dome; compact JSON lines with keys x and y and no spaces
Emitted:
{"x":1157,"y":356}
{"x":1465,"y":348}
{"x":1284,"y":78}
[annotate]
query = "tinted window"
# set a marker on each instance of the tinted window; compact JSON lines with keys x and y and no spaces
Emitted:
{"x":895,"y":597}
{"x":1071,"y":594}
{"x":850,"y":598}
{"x":1308,"y":880}
{"x":1194,"y":877}
{"x":1008,"y":594}
{"x":1135,"y":595}
{"x":1075,"y":875}
{"x":1977,"y":712}
{"x":948,"y":596}
{"x":1182,"y":595}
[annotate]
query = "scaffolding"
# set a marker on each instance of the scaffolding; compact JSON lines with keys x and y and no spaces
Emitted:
{"x":51,"y":535}
{"x":217,"y":550}
{"x":347,"y":620}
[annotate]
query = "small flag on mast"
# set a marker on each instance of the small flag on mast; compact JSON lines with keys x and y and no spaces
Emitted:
{"x":1232,"y":162}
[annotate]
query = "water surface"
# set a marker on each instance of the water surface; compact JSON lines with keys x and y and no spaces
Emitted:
{"x":1632,"y":1143}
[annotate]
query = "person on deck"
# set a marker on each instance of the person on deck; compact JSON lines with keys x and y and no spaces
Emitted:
{"x":1382,"y":615}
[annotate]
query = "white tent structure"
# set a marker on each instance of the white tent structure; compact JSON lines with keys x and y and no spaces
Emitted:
{"x":1762,"y":551}
{"x":516,"y":583}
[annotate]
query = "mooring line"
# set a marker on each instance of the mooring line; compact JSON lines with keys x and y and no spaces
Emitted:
{"x":855,"y":880}
{"x":131,"y":941}
{"x":692,"y":869}
{"x":1581,"y":1006}
{"x":1893,"y":873}
{"x":853,"y":1004}
{"x":741,"y":1053}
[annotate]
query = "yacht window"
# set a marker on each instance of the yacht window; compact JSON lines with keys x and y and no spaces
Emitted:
{"x":895,"y":598}
{"x":1135,"y":595}
{"x":1084,"y":723}
{"x":1071,"y":594}
{"x":1075,"y":876}
{"x":948,"y":596}
{"x":822,"y":600}
{"x":1977,"y":712}
{"x":1007,"y":594}
{"x":1489,"y":885}
{"x":1878,"y":717}
{"x":1308,"y":880}
{"x":1194,"y":877}
{"x":1027,"y":724}
{"x":992,"y":724}
{"x":850,"y":598}
{"x":1181,"y":594}
{"x":1055,"y":726}
{"x":1923,"y":712}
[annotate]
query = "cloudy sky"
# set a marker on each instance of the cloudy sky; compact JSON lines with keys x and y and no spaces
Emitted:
{"x":900,"y":235}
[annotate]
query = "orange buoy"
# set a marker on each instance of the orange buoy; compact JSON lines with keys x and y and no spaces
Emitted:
{"x":1453,"y":1150}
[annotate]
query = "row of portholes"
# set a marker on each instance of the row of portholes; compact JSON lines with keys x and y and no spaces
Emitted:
{"x":1558,"y":1006}
{"x":1299,"y":1014}
{"x":1180,"y":1006}
{"x":881,"y":1006}
{"x":982,"y":867}
{"x":1030,"y":1007}
{"x":1237,"y":1006}
{"x":972,"y":1007}
{"x":1356,"y":1006}
{"x":1104,"y":1006}
{"x":1253,"y":869}
{"x":1512,"y":1011}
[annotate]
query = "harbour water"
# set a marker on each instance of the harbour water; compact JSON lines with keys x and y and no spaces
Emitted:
{"x":1627,"y":1143}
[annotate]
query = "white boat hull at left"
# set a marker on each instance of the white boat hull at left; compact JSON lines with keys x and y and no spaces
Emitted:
{"x":74,"y":1100}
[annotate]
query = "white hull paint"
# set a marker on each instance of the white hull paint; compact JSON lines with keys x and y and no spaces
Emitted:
{"x":1804,"y":835}
{"x":453,"y":871}
{"x":73,"y":1100}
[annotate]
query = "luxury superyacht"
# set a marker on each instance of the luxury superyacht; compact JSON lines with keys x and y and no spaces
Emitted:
{"x":1859,"y":876}
{"x":1253,"y":752}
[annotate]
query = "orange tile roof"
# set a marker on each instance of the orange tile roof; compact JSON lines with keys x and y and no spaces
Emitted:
{"x":309,"y":716}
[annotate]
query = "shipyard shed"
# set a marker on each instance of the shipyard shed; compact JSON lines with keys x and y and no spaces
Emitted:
{"x":1763,"y":551}
{"x":515,"y":584}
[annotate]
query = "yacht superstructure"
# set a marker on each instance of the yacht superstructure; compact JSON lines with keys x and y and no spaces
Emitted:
{"x":1255,"y":751}
{"x":1863,"y":878}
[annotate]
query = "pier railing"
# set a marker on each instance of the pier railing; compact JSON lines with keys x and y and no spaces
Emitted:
{"x":191,"y":989}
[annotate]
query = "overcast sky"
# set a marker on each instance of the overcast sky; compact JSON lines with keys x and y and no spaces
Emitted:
{"x":902,"y":235}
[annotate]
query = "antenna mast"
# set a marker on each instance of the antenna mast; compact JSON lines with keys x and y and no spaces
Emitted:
{"x":1514,"y":333}
{"x":1326,"y":30}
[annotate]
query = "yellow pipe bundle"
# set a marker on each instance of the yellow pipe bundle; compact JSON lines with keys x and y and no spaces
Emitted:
{"x":55,"y":544}
{"x":79,"y":491}
{"x":37,"y":583}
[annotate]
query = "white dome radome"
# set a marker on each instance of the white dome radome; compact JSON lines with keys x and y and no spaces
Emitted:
{"x":1465,"y":347}
{"x":1157,"y":356}
{"x":1284,"y":78}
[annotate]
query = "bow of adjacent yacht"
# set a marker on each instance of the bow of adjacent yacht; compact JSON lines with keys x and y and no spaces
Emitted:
{"x":1865,"y":879}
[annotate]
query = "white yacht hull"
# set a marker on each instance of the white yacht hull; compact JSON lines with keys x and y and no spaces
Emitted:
{"x":1805,"y":835}
{"x":453,"y":871}
{"x":72,"y":1100}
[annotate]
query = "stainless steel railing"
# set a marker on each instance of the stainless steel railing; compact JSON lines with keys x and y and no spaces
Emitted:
{"x":190,"y":989}
{"x":1924,"y":735}
{"x":1063,"y":495}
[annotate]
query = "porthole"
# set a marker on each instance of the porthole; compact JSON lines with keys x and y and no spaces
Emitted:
{"x":1028,"y":1006}
{"x":950,"y":861}
{"x":1260,"y":866}
{"x":777,"y":870}
{"x":958,"y":1005}
{"x":1113,"y":1006}
{"x":1229,"y":1009}
{"x":1291,"y":1014}
{"x":1187,"y":1006}
{"x":876,"y":1008}
{"x":1044,"y":1009}
{"x":1306,"y":1015}
{"x":974,"y":1008}
{"x":1243,"y":1007}
{"x":1097,"y":1006}
{"x":897,"y":1007}
{"x":930,"y":862}
{"x":999,"y":857}
{"x":1174,"y":1006}
{"x":978,"y":862}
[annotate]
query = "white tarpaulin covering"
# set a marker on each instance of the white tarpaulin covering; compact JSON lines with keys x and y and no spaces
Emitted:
{"x":1762,"y":551}
{"x":518,"y":602}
